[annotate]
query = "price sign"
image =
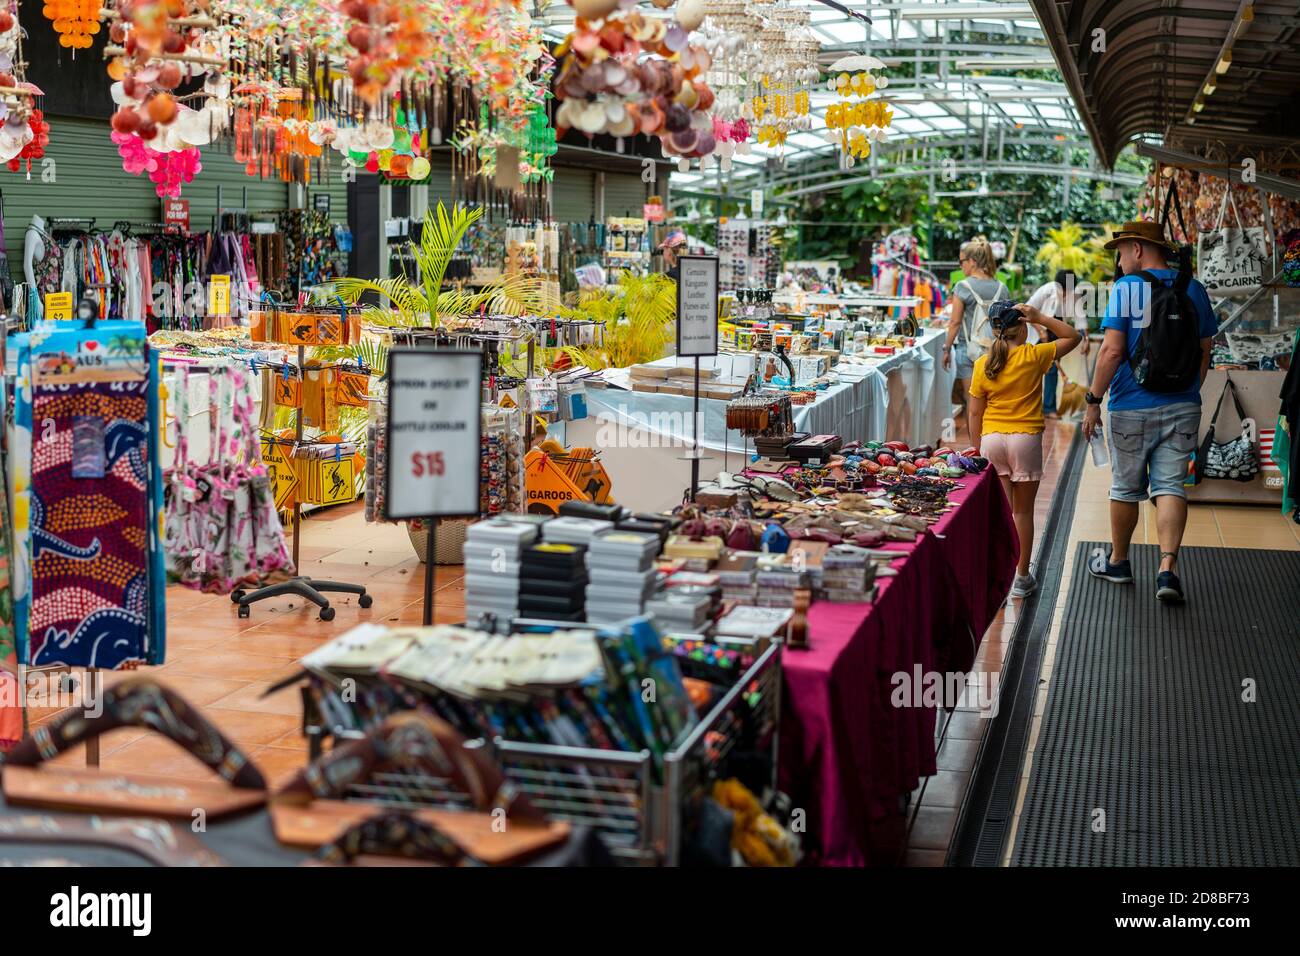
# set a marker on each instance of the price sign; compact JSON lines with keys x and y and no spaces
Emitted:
{"x":697,"y":306}
{"x":58,"y":306}
{"x":219,"y":295}
{"x":433,"y":433}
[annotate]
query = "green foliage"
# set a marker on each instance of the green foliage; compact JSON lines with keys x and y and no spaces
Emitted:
{"x":883,"y":205}
{"x":421,"y":300}
{"x":639,"y":322}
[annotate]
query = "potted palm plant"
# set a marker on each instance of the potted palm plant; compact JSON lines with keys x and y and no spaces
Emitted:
{"x":422,"y":301}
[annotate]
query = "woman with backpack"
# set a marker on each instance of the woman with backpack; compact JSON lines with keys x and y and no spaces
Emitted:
{"x":969,"y":335}
{"x":1006,"y":413}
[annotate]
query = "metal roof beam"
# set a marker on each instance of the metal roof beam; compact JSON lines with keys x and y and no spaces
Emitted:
{"x":1054,"y":170}
{"x":1231,"y":172}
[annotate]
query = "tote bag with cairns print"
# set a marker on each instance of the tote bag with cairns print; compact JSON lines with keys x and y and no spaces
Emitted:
{"x":1231,"y":259}
{"x":1237,"y":459}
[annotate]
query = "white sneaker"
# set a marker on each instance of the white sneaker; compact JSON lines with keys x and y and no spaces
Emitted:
{"x":1024,"y":585}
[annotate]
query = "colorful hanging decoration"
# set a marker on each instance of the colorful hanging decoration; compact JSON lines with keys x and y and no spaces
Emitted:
{"x":731,"y":34}
{"x":858,"y":119}
{"x":25,"y":132}
{"x":156,"y":46}
{"x":75,"y":21}
{"x":628,"y":73}
{"x":788,"y":55}
{"x":167,"y":171}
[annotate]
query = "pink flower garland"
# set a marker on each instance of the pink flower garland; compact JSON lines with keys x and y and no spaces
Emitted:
{"x":167,"y":171}
{"x":736,"y":131}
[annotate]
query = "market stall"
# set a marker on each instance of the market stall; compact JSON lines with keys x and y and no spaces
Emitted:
{"x":904,"y":394}
{"x":508,"y":382}
{"x":849,"y":752}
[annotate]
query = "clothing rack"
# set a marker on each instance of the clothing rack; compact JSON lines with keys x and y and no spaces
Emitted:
{"x":62,"y":224}
{"x":301,"y":585}
{"x":915,"y":268}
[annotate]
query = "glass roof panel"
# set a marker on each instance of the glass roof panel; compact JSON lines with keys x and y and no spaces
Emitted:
{"x":945,"y":97}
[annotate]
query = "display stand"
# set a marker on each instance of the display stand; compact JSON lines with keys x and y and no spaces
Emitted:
{"x":302,"y":586}
{"x":697,"y":334}
{"x":434,"y":423}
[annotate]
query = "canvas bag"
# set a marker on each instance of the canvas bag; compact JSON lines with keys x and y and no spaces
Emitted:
{"x":979,"y":332}
{"x":1237,"y":459}
{"x":1231,"y":259}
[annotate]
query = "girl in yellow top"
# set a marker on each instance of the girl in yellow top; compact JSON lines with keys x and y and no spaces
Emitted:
{"x":1006,"y":414}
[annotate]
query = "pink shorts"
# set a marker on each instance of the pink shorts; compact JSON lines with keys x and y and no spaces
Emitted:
{"x":1016,"y":456}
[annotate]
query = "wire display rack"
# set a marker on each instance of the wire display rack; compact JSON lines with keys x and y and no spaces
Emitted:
{"x":615,"y":792}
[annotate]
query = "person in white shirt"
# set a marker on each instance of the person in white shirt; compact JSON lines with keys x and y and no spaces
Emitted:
{"x":1060,"y":299}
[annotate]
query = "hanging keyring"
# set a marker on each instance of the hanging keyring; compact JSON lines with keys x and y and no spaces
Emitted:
{"x":164,"y":394}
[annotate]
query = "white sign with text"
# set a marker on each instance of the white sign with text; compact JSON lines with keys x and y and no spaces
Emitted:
{"x":697,"y":306}
{"x":433,"y":433}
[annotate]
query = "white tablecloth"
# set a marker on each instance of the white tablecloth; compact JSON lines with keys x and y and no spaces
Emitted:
{"x":906,"y":396}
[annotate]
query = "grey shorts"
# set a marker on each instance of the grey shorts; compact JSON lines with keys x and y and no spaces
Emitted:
{"x":1150,"y":449}
{"x":964,"y":367}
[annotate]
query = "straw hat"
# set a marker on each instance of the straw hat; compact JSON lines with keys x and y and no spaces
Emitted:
{"x":1146,"y":231}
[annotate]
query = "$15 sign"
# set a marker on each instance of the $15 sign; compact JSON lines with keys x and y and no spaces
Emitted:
{"x":427,"y":463}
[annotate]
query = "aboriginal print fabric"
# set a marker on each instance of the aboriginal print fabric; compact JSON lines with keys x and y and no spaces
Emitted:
{"x":89,"y":537}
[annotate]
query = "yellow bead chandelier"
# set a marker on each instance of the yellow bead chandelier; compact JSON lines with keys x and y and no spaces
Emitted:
{"x":859,"y":119}
{"x":788,"y":51}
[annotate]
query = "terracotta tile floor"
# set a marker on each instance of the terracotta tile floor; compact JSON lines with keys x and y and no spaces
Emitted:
{"x":225,"y":665}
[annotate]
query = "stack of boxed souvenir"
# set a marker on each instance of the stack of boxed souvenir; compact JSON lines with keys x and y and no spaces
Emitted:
{"x":620,"y":574}
{"x":736,"y":575}
{"x":847,"y":575}
{"x":492,"y":552}
{"x":552,"y":581}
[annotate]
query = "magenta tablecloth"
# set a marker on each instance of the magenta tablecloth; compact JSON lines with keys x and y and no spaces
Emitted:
{"x":847,"y":755}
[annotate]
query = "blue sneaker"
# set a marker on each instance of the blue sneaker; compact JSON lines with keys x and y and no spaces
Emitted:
{"x":1168,"y":588}
{"x":1101,"y":567}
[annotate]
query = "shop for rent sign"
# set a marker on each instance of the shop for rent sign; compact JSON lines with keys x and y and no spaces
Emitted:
{"x":433,"y":433}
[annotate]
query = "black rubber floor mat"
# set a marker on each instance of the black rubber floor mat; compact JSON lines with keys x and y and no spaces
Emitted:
{"x":1171,"y":735}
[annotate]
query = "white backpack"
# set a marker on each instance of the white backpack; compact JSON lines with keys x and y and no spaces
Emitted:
{"x":979,"y":332}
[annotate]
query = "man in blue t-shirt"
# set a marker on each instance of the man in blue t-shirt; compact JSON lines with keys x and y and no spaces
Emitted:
{"x":1152,"y":434}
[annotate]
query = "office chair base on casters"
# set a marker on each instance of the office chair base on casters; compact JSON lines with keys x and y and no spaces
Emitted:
{"x":303,"y":587}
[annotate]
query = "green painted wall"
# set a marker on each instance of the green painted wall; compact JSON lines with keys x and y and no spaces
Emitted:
{"x":84,"y":177}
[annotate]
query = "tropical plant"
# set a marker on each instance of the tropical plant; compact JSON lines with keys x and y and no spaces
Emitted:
{"x":1103,"y":260}
{"x":421,"y":300}
{"x":638,"y":319}
{"x":1064,"y":249}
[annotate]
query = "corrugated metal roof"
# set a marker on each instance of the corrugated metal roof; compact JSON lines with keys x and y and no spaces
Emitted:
{"x":1190,"y":72}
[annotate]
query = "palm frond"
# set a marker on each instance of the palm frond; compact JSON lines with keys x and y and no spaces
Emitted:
{"x":399,"y":293}
{"x":421,"y":300}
